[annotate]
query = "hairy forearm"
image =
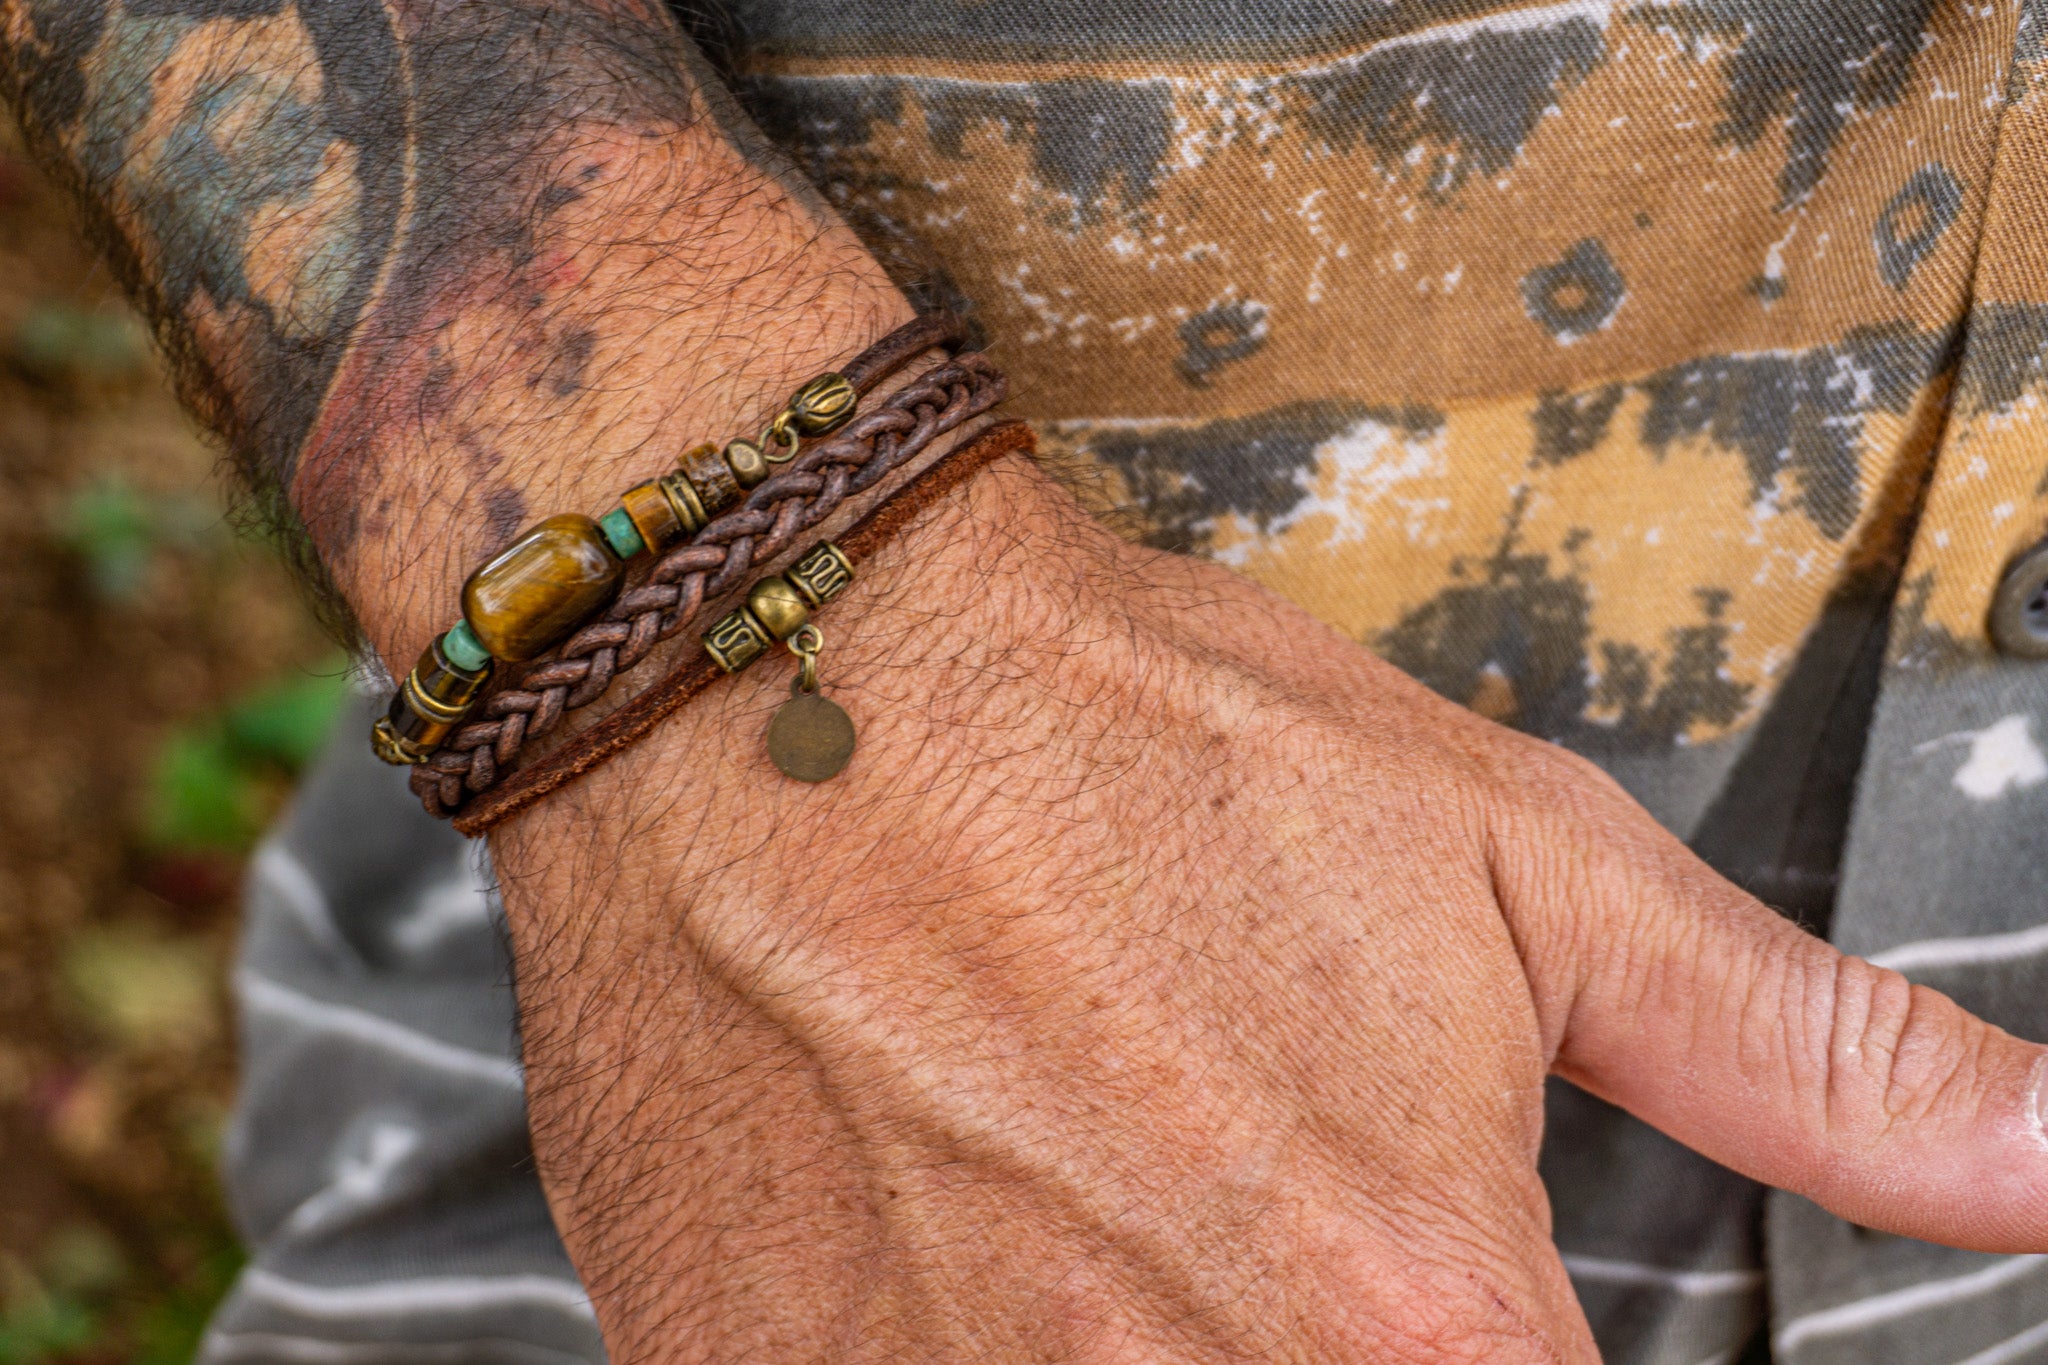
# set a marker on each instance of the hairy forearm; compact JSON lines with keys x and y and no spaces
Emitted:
{"x":436,"y":268}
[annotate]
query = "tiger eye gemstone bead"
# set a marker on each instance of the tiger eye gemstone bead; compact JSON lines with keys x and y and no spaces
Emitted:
{"x":654,"y":516}
{"x":430,"y":703}
{"x":540,"y":588}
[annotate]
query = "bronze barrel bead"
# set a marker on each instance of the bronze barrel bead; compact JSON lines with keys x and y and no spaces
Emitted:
{"x":778,"y":606}
{"x":736,"y":640}
{"x":820,"y":573}
{"x":653,"y":516}
{"x":429,"y":704}
{"x":539,"y":589}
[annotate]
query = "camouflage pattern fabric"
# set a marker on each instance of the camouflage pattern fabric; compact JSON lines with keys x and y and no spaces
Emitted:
{"x":1664,"y":379}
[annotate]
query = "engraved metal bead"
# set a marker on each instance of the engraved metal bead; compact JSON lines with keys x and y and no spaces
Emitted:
{"x":776,"y":604}
{"x":386,"y":744}
{"x":684,"y":502}
{"x":820,"y":573}
{"x":822,"y":404}
{"x":736,"y":640}
{"x":539,"y":589}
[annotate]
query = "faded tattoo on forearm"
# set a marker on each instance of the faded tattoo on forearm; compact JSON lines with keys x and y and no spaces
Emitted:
{"x":309,"y":197}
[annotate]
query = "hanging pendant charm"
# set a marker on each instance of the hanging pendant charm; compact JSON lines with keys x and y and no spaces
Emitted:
{"x":811,"y":737}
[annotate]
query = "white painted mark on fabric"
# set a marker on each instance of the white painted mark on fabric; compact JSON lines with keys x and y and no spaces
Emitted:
{"x":2003,"y":758}
{"x":2012,"y":1348}
{"x":268,"y":1348}
{"x":446,"y":909}
{"x":361,"y":1175}
{"x":274,"y":869}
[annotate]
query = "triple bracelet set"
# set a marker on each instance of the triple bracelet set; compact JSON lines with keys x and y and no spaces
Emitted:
{"x":572,"y":602}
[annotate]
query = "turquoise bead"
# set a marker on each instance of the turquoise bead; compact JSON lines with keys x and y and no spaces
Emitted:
{"x":463,"y":649}
{"x":621,"y":533}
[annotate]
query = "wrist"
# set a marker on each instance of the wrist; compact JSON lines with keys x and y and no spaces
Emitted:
{"x":439,"y":444}
{"x":983,"y":583}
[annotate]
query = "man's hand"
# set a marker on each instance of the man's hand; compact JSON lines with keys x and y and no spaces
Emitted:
{"x":1167,"y":979}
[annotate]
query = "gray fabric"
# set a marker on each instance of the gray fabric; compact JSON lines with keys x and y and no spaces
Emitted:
{"x":1945,"y":881}
{"x":378,"y":1164}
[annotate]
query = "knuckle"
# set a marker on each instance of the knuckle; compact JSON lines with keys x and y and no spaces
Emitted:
{"x":1897,"y":1054}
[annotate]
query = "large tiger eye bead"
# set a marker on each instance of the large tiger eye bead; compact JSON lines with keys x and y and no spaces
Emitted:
{"x":541,"y":587}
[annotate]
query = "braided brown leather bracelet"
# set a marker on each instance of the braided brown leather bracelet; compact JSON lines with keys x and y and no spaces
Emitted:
{"x":697,"y":671}
{"x":805,"y":494}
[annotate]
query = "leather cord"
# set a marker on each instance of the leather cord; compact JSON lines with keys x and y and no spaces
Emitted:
{"x":723,"y":555}
{"x":696,"y":672}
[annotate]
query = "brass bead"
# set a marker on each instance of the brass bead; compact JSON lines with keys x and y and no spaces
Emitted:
{"x":820,"y":573}
{"x":434,"y":699}
{"x":736,"y":641}
{"x":822,"y":404}
{"x":684,"y":502}
{"x":779,"y":608}
{"x":653,"y":515}
{"x":539,"y":589}
{"x":398,"y":752}
{"x":748,"y":464}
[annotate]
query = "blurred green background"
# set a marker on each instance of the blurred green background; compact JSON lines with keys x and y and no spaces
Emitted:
{"x":160,"y":685}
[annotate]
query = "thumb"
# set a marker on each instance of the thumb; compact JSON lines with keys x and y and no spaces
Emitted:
{"x":1665,"y":990}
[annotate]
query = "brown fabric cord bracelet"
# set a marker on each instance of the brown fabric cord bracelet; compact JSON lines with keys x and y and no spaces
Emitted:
{"x":698,"y":671}
{"x":829,"y":483}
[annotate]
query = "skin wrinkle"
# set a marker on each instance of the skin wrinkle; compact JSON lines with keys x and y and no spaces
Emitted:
{"x":1167,"y":979}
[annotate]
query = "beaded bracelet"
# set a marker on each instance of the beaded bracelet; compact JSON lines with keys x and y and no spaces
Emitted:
{"x":560,"y":573}
{"x":885,"y":457}
{"x":815,"y":755}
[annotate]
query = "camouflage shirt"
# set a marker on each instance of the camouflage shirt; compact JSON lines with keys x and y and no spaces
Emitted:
{"x":1664,"y":379}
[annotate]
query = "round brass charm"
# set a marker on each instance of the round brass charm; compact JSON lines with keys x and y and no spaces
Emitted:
{"x":810,"y":738}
